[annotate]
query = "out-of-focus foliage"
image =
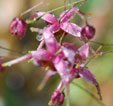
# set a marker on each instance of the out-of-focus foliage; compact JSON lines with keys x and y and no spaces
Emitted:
{"x":18,"y":84}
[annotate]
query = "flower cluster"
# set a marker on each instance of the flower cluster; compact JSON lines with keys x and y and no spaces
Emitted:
{"x":64,"y":59}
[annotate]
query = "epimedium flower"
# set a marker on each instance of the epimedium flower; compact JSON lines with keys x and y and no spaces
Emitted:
{"x":64,"y":59}
{"x":62,"y":24}
{"x":18,"y":27}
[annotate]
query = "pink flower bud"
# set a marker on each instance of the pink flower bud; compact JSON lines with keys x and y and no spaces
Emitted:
{"x":88,"y":32}
{"x":57,"y":98}
{"x":18,"y":28}
{"x":1,"y":67}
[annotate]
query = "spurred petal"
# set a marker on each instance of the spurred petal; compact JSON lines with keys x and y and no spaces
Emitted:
{"x":47,"y":17}
{"x":68,"y":14}
{"x":84,"y":51}
{"x":87,"y":75}
{"x":71,"y":28}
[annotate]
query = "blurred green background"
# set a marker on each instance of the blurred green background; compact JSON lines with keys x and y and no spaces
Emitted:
{"x":18,"y":84}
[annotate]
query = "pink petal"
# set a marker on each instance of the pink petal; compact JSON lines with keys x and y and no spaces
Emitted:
{"x":84,"y":51}
{"x":47,"y":17}
{"x":68,"y":14}
{"x":69,"y":46}
{"x":53,"y":28}
{"x":71,"y":28}
{"x":62,"y":69}
{"x":50,"y":41}
{"x":41,"y":55}
{"x":87,"y":75}
{"x":69,"y":54}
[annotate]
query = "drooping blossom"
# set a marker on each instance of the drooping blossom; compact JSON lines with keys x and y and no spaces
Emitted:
{"x":87,"y":32}
{"x":18,"y":28}
{"x":57,"y":98}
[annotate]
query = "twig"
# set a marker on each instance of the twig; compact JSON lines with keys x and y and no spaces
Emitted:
{"x":35,"y":6}
{"x":11,"y":50}
{"x":99,"y":43}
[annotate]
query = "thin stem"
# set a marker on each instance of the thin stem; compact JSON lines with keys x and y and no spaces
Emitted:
{"x":29,"y":10}
{"x":65,"y":4}
{"x":61,"y":38}
{"x":11,"y":50}
{"x":36,"y":19}
{"x":99,"y":43}
{"x":93,"y":56}
{"x":89,"y":93}
{"x":70,"y":1}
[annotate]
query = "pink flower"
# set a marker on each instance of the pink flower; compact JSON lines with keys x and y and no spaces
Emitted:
{"x":18,"y":28}
{"x":58,"y":25}
{"x":57,"y":98}
{"x":87,"y":32}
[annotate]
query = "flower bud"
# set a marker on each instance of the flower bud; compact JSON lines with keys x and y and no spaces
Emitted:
{"x":88,"y":32}
{"x":1,"y":67}
{"x":18,"y":28}
{"x":57,"y":98}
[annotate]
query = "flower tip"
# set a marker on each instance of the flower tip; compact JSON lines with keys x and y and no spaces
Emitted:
{"x":39,"y":88}
{"x":49,"y":103}
{"x":67,"y":104}
{"x":29,"y":52}
{"x":3,"y":65}
{"x":31,"y":28}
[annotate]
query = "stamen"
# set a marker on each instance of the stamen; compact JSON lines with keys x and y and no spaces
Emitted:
{"x":47,"y":68}
{"x":40,"y":87}
{"x":29,"y":61}
{"x":77,"y":66}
